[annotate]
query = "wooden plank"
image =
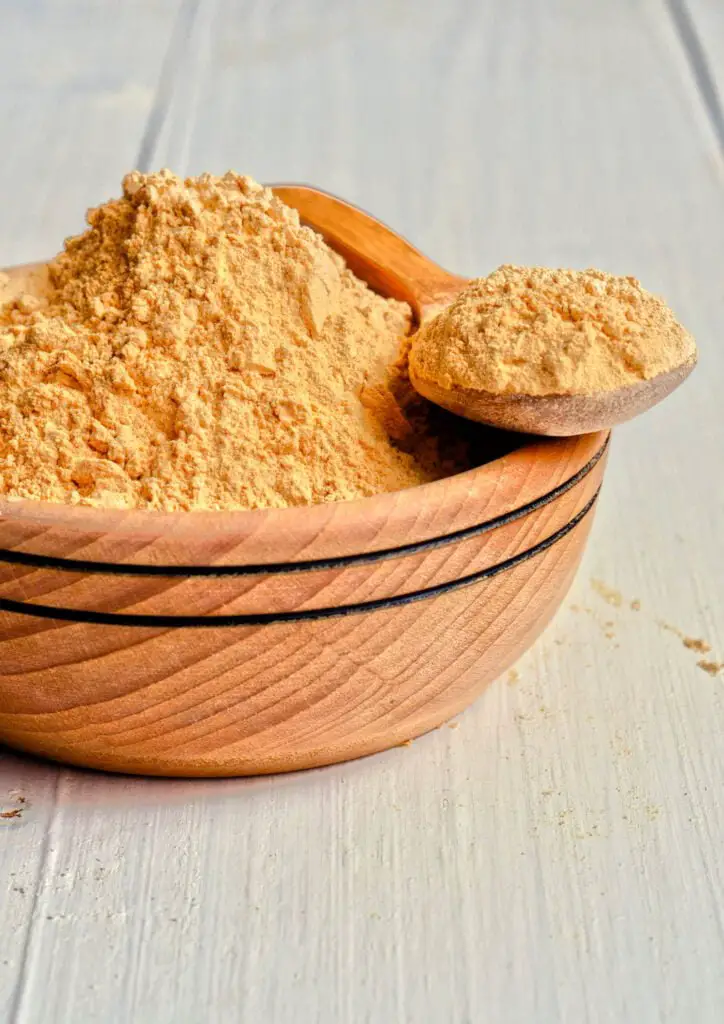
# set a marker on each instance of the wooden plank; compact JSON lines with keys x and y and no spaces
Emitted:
{"x":28,"y":793}
{"x":556,"y":857}
{"x":74,"y":100}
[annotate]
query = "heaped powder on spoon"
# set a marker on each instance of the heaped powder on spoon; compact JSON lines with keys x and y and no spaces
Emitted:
{"x":540,"y":331}
{"x":198,"y":348}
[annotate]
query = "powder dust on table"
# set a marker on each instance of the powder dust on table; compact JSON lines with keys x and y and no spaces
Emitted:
{"x":198,"y":348}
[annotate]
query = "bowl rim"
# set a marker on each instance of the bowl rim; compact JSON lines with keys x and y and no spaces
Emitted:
{"x":527,"y":474}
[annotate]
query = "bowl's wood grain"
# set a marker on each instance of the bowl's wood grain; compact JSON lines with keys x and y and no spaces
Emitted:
{"x":365,"y":656}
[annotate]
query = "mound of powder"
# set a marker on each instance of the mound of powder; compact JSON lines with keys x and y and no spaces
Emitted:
{"x":535,"y":331}
{"x":197,"y":348}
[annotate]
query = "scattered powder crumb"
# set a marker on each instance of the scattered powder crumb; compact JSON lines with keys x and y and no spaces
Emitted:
{"x":635,"y":605}
{"x":453,"y":725}
{"x":694,"y":644}
{"x":669,"y":628}
{"x":607,"y":627}
{"x":609,"y":594}
{"x":712,"y":667}
{"x":198,"y":348}
{"x":513,"y":676}
{"x":536,"y":331}
{"x":621,"y":745}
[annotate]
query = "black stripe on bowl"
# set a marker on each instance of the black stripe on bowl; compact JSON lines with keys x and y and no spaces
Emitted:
{"x":268,"y":618}
{"x":278,"y":568}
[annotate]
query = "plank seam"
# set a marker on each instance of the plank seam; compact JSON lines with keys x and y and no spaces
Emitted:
{"x":697,"y":60}
{"x":180,"y":35}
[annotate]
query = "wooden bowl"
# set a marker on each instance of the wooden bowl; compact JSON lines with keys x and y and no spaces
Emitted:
{"x":201,"y":644}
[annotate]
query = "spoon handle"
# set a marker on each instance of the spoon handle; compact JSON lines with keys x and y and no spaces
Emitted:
{"x":378,"y":255}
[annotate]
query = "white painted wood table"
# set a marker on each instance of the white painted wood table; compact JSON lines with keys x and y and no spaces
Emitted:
{"x":559,"y":855}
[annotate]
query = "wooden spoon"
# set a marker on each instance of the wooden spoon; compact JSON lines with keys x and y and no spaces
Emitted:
{"x":376,"y":253}
{"x":390,"y":265}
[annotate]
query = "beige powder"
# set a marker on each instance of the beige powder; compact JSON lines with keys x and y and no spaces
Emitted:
{"x":197,"y":348}
{"x":534,"y":331}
